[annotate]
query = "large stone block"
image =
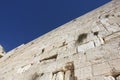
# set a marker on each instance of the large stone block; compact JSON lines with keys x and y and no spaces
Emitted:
{"x":101,"y":68}
{"x":84,"y":73}
{"x":86,"y":46}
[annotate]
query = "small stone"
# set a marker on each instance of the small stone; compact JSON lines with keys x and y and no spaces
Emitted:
{"x":67,"y":75}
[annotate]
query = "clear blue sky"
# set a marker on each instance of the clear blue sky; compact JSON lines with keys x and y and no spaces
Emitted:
{"x":24,"y":20}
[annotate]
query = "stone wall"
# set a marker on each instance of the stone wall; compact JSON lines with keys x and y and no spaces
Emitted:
{"x":87,"y":48}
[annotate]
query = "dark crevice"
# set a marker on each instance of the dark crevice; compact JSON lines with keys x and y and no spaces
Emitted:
{"x":1,"y":56}
{"x":81,"y":37}
{"x":94,"y":44}
{"x":35,"y":76}
{"x":85,"y":53}
{"x":106,"y":16}
{"x":96,"y":33}
{"x":41,"y":74}
{"x":43,"y":50}
{"x":49,"y":58}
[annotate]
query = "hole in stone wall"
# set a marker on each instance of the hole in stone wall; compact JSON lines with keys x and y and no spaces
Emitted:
{"x":96,"y":33}
{"x":106,"y":16}
{"x":81,"y":37}
{"x":43,"y":50}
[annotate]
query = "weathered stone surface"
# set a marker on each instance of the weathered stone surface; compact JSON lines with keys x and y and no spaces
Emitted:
{"x":87,"y":48}
{"x":109,"y":78}
{"x":68,"y":75}
{"x":60,"y":76}
{"x":102,"y":68}
{"x":84,"y":73}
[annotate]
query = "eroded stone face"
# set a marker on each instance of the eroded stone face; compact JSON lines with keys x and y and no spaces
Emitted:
{"x":2,"y":52}
{"x":87,"y":48}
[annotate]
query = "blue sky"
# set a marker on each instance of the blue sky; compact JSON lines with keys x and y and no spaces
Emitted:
{"x":24,"y":20}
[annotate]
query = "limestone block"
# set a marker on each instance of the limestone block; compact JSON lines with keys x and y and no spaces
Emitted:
{"x":49,"y":67}
{"x":113,"y":28}
{"x":102,"y":77}
{"x":60,"y":76}
{"x":68,"y":75}
{"x":83,"y":73}
{"x":115,"y":64}
{"x":54,"y":77}
{"x":105,"y":21}
{"x":112,"y":36}
{"x":62,"y":52}
{"x":103,"y":33}
{"x":66,"y":51}
{"x":109,"y":78}
{"x":84,"y":47}
{"x":95,"y":56}
{"x":96,"y":28}
{"x":101,"y":68}
{"x":80,"y":61}
{"x":115,"y":20}
{"x":98,"y":42}
{"x":90,"y":37}
{"x":24,"y":68}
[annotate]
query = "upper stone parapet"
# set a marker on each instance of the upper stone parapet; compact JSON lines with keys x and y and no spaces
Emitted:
{"x":2,"y":51}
